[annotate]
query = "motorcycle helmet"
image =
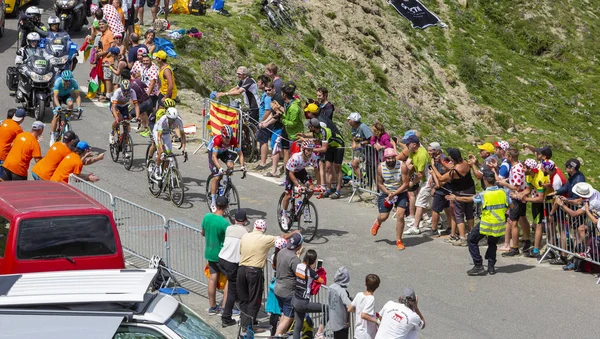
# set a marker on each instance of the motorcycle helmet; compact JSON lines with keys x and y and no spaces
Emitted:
{"x":172,"y":113}
{"x":33,"y":37}
{"x":125,"y":86}
{"x":67,"y":75}
{"x":226,"y":131}
{"x":34,"y":12}
{"x":169,"y":102}
{"x":53,"y":20}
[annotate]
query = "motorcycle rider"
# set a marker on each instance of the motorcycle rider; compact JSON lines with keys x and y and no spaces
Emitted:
{"x":29,"y":22}
{"x":54,"y":31}
{"x":63,"y":86}
{"x":33,"y":45}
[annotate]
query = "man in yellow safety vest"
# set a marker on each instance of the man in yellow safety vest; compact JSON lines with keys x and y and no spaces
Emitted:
{"x":495,"y":202}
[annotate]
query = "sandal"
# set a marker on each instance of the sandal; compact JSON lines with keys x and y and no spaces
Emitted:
{"x":270,"y":175}
{"x":452,"y":238}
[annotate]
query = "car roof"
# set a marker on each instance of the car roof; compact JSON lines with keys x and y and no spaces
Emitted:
{"x":74,"y":287}
{"x":43,"y":196}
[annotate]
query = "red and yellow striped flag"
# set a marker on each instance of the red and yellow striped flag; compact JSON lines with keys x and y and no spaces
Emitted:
{"x":222,"y":115}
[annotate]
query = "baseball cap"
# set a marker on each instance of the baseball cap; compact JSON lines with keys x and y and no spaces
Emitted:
{"x":160,"y":55}
{"x":68,"y":136}
{"x":37,"y":125}
{"x":82,"y":145}
{"x":548,"y":165}
{"x":409,"y":293}
{"x":435,"y":146}
{"x":19,"y":115}
{"x":573,"y":163}
{"x":454,"y":153}
{"x":545,"y":151}
{"x":280,"y":243}
{"x":389,"y":152}
{"x":530,"y":163}
{"x":411,"y":139}
{"x":114,"y":50}
{"x":240,"y":215}
{"x":222,"y":201}
{"x":354,"y":116}
{"x":502,"y":144}
{"x":314,"y":122}
{"x":260,"y":225}
{"x":294,"y":241}
{"x":488,"y":147}
{"x":311,"y":108}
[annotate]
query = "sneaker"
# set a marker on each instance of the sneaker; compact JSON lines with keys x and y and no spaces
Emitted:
{"x":213,"y":208}
{"x":558,"y":261}
{"x":375,"y":228}
{"x":335,"y":195}
{"x":531,"y":254}
{"x":161,"y":11}
{"x":145,"y":133}
{"x":111,"y":138}
{"x":228,"y":322}
{"x":214,"y":310}
{"x":451,"y":239}
{"x":491,"y":269}
{"x":235,"y":313}
{"x":569,"y":267}
{"x":462,"y":242}
{"x":513,"y":252}
{"x":319,"y":336}
{"x":526,"y":245}
{"x":327,"y":193}
{"x":399,"y":245}
{"x":224,"y":12}
{"x":409,"y":219}
{"x":285,"y":223}
{"x":412,"y":231}
{"x":436,"y":233}
{"x":476,"y":270}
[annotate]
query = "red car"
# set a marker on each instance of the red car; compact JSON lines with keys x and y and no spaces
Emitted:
{"x":49,"y":226}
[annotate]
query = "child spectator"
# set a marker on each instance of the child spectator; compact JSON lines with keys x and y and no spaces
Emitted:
{"x":364,"y":307}
{"x":339,"y":302}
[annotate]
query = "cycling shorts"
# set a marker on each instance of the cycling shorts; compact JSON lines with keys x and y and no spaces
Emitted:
{"x":124,"y":110}
{"x":166,"y":141}
{"x":224,"y":157}
{"x":302,"y":176}
{"x":63,"y":99}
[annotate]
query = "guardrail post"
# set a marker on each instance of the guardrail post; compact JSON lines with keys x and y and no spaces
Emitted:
{"x":167,"y":245}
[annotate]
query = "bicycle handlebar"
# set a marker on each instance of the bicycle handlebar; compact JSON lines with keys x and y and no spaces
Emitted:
{"x":230,"y":172}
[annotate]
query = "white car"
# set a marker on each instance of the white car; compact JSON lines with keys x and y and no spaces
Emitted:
{"x":94,"y":304}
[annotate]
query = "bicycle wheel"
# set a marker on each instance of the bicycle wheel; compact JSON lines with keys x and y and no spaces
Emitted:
{"x":114,"y":151}
{"x":234,"y":203}
{"x":208,"y":194}
{"x":248,"y":143}
{"x":289,"y":213}
{"x":148,"y":155}
{"x":153,"y":186}
{"x":308,"y":222}
{"x":286,"y":18}
{"x":128,"y":152}
{"x":176,"y":189}
{"x":272,"y":18}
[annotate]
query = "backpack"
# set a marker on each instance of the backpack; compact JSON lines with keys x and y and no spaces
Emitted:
{"x":197,"y":7}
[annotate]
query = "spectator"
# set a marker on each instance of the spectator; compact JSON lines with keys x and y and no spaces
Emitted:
{"x":312,"y":111}
{"x":486,"y":152}
{"x":363,"y":305}
{"x":25,"y":146}
{"x":361,"y":136}
{"x":139,"y":10}
{"x":290,"y":118}
{"x":287,"y":261}
{"x":443,"y":164}
{"x":500,"y":149}
{"x":168,"y":88}
{"x":254,"y":248}
{"x":305,"y":275}
{"x":535,"y":193}
{"x":229,"y":260}
{"x":149,"y":40}
{"x":274,"y":124}
{"x":272,"y":305}
{"x":72,"y":164}
{"x":9,"y":115}
{"x":419,"y":159}
{"x":136,"y":50}
{"x":214,"y":226}
{"x":402,"y":319}
{"x":112,"y":17}
{"x":248,"y":88}
{"x":44,"y":169}
{"x":9,"y":129}
{"x":462,"y":184}
{"x":380,"y":139}
{"x":263,"y":136}
{"x":145,"y":104}
{"x":339,"y":301}
{"x":424,"y":197}
{"x":271,"y":70}
{"x":326,"y":108}
{"x":106,"y":42}
{"x":117,"y":5}
{"x":575,"y":176}
{"x":392,"y":180}
{"x":148,"y":72}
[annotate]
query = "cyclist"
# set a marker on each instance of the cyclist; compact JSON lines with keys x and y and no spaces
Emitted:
{"x":119,"y":106}
{"x":154,"y":117}
{"x":222,"y":147}
{"x":296,"y":175}
{"x":63,"y":86}
{"x":162,"y":136}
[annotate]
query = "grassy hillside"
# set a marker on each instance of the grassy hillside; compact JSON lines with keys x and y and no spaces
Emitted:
{"x":519,"y":70}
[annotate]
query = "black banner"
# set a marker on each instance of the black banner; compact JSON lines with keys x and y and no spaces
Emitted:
{"x":415,"y":12}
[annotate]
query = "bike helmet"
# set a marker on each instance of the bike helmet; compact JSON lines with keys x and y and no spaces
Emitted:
{"x":172,"y":113}
{"x":125,"y":86}
{"x":308,"y":144}
{"x":169,"y":102}
{"x":227,"y":131}
{"x":53,"y":20}
{"x":67,"y":75}
{"x":33,"y":37}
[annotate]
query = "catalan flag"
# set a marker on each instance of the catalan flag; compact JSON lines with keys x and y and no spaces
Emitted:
{"x":222,"y":115}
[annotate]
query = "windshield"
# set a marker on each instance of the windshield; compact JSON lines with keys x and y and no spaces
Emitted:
{"x":188,"y":325}
{"x":59,"y":45}
{"x":37,"y":62}
{"x":74,"y":236}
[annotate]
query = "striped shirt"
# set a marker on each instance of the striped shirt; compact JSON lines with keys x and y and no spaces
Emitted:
{"x":392,"y":179}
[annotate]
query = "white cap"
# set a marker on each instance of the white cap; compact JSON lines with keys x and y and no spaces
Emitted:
{"x":354,"y":116}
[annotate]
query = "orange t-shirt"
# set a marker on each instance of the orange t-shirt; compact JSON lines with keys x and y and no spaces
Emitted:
{"x":25,"y":146}
{"x":8,"y":131}
{"x":46,"y":167}
{"x":107,"y":38}
{"x":70,"y":164}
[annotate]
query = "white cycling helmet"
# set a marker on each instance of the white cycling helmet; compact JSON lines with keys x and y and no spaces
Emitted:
{"x":33,"y":36}
{"x":172,"y":113}
{"x":33,"y":10}
{"x":53,"y":20}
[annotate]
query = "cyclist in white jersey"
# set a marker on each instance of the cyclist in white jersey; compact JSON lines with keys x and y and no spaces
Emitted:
{"x":162,"y":135}
{"x":119,"y":105}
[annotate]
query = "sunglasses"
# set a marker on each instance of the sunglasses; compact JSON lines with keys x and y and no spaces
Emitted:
{"x":268,"y":89}
{"x":240,"y":73}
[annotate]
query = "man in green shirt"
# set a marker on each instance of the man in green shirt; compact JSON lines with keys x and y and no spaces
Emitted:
{"x":213,"y":230}
{"x":419,"y":159}
{"x":291,"y":117}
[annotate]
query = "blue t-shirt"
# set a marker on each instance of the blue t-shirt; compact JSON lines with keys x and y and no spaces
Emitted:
{"x":504,"y":169}
{"x":60,"y":87}
{"x":363,"y":132}
{"x":265,"y":104}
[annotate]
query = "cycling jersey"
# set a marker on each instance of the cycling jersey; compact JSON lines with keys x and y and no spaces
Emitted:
{"x":216,"y":145}
{"x":59,"y":86}
{"x":297,"y":162}
{"x":165,"y":125}
{"x":121,"y":100}
{"x":326,"y":136}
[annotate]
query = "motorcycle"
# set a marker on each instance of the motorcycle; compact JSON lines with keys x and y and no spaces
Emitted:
{"x":61,"y":51}
{"x":72,"y":14}
{"x":36,"y":81}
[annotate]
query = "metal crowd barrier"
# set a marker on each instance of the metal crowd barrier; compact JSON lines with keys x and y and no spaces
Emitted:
{"x":369,"y":159}
{"x":206,"y":132}
{"x":98,"y":194}
{"x":185,"y":245}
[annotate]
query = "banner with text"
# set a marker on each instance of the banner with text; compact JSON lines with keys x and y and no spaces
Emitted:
{"x":415,"y":12}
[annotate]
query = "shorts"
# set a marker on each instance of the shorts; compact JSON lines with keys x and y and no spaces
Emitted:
{"x":439,"y":203}
{"x":401,"y":202}
{"x":285,"y":304}
{"x":276,"y":133}
{"x":285,"y":142}
{"x":166,"y":141}
{"x":63,"y":99}
{"x":140,"y":3}
{"x":225,"y":157}
{"x":107,"y":73}
{"x":146,"y":107}
{"x":464,"y":210}
{"x":154,"y":99}
{"x":129,"y":19}
{"x":263,"y":135}
{"x":517,"y":211}
{"x":537,"y":213}
{"x":124,"y":110}
{"x":334,"y":155}
{"x":214,"y":267}
{"x":302,"y":176}
{"x":424,"y":197}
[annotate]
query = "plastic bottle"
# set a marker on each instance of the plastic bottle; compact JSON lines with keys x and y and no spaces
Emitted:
{"x":298,"y":204}
{"x":221,"y":189}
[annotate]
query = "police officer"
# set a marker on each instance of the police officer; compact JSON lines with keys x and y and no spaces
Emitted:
{"x":33,"y":45}
{"x":29,"y":22}
{"x":495,"y":202}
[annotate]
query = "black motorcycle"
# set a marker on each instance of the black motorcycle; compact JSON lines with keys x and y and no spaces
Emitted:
{"x":36,"y":82}
{"x":72,"y":14}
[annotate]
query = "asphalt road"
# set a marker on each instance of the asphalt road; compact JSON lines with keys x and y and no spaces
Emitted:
{"x":524,"y":300}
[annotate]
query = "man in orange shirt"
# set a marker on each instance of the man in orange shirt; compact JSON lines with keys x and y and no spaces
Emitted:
{"x":44,"y":168}
{"x":25,"y":146}
{"x":72,"y":164}
{"x":9,"y":129}
{"x":106,"y":40}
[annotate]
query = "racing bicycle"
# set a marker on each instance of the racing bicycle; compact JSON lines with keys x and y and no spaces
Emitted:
{"x":123,"y":144}
{"x":227,"y":189}
{"x":63,"y":121}
{"x":301,"y":211}
{"x":171,"y":180}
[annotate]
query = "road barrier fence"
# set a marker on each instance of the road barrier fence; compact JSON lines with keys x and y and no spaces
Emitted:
{"x":365,"y":161}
